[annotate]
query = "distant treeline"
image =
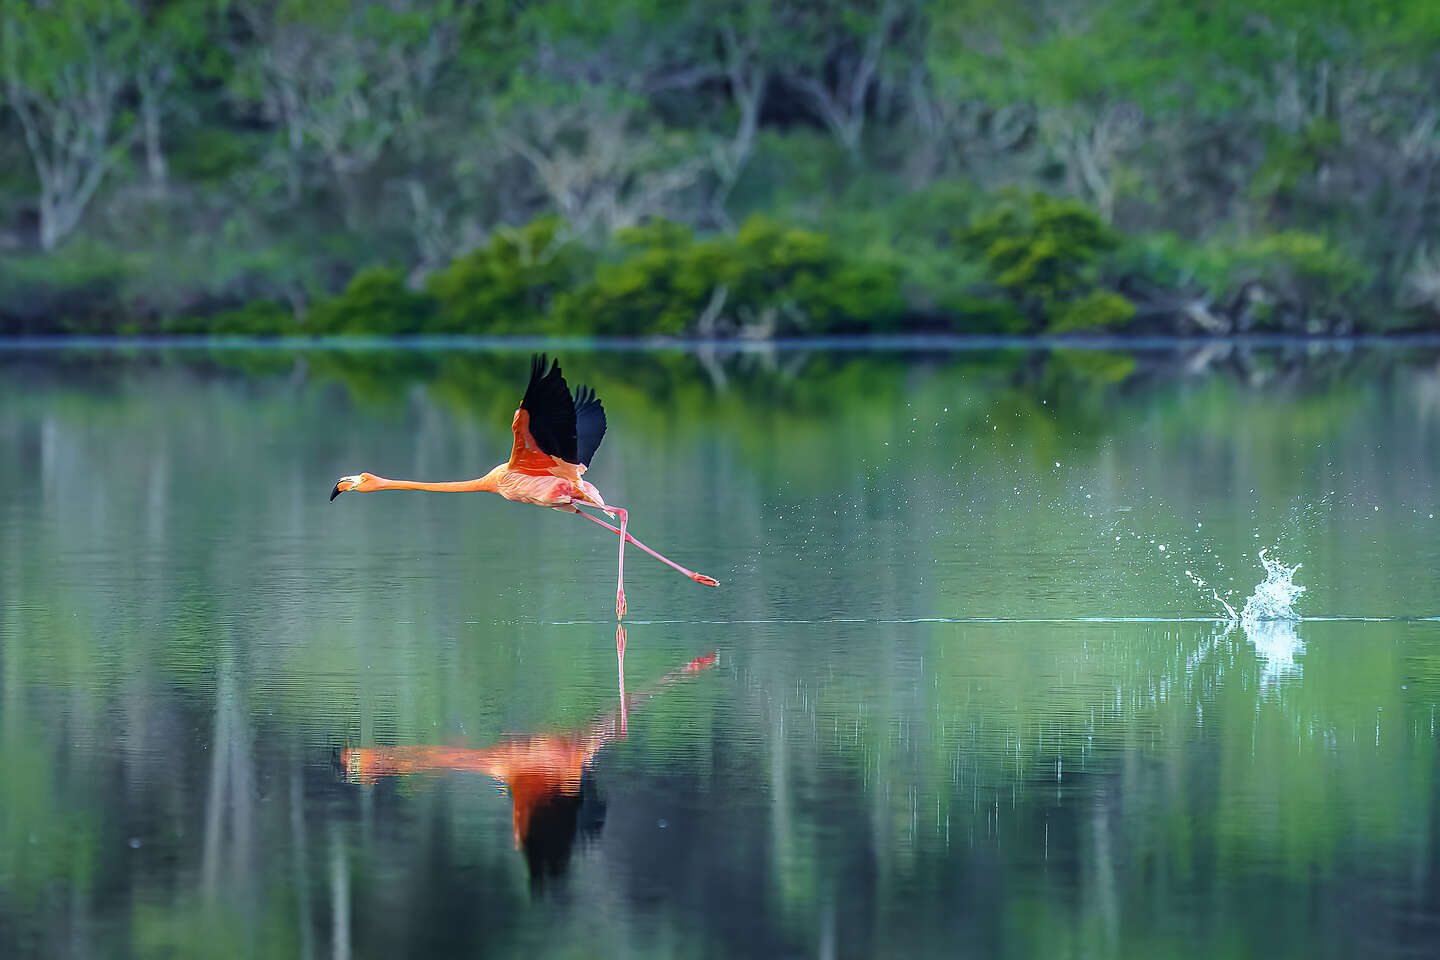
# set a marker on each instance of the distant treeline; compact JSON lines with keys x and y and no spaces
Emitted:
{"x":704,"y":167}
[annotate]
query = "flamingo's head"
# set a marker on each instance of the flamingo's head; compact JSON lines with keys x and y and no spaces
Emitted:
{"x":360,"y":483}
{"x":360,"y":766}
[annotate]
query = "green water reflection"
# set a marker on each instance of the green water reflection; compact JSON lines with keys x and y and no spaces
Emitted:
{"x":193,"y":642}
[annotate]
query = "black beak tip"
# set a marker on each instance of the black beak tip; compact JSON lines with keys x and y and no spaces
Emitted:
{"x":335,"y":493}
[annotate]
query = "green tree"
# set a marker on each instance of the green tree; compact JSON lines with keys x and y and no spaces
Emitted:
{"x":1044,"y":253}
{"x":176,"y":35}
{"x":65,"y":68}
{"x":342,"y":79}
{"x":509,"y":284}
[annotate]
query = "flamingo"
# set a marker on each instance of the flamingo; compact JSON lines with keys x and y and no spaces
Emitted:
{"x":555,"y":438}
{"x":544,"y":773}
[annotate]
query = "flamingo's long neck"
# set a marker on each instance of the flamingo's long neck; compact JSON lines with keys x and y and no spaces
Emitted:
{"x":488,"y":483}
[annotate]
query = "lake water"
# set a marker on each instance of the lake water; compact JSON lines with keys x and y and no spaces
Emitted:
{"x":961,"y":691}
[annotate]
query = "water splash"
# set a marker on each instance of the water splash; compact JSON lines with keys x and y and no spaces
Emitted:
{"x":1276,"y":646}
{"x":1274,"y":598}
{"x":1230,"y":613}
{"x":1269,"y":618}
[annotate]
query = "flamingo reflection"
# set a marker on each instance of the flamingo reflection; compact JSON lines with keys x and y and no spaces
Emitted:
{"x":547,"y":775}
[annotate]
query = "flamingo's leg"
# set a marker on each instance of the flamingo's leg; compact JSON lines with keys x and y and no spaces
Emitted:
{"x":620,"y":567}
{"x":697,"y":577}
{"x":620,"y":664}
{"x":624,"y":516}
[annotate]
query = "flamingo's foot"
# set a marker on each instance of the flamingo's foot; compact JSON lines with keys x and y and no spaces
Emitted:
{"x":620,"y":640}
{"x":620,"y":608}
{"x":701,"y":578}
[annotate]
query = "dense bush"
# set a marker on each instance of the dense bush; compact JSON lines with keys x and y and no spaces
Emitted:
{"x":376,"y":302}
{"x":1296,"y":273}
{"x":913,"y":234}
{"x":510,"y":284}
{"x":1027,"y":263}
{"x":1044,"y":252}
{"x":1292,"y":281}
{"x":175,"y":159}
{"x":659,"y":285}
{"x":766,"y":279}
{"x":78,"y":291}
{"x":259,"y":319}
{"x":799,"y":278}
{"x":1096,"y":310}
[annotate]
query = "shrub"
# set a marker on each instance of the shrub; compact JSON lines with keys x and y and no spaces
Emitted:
{"x":799,"y":277}
{"x":1286,"y":280}
{"x":986,"y":315}
{"x":659,"y":287}
{"x":262,"y":318}
{"x":509,"y":285}
{"x":1299,"y":267}
{"x":766,"y":279}
{"x":1044,"y":253}
{"x":79,"y":289}
{"x":1096,"y":310}
{"x":376,"y":302}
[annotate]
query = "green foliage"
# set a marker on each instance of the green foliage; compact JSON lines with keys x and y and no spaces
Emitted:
{"x":44,"y":43}
{"x":798,"y":274}
{"x":986,"y":315}
{"x":259,"y":319}
{"x":1038,"y":245}
{"x":1290,"y":160}
{"x":660,"y":285}
{"x":1030,"y":263}
{"x":1044,"y":253}
{"x":1291,"y":279}
{"x":1285,"y":281}
{"x":1302,"y":267}
{"x":1162,"y":258}
{"x":509,"y":285}
{"x":766,"y":278}
{"x":79,"y":290}
{"x":910,"y":232}
{"x":212,"y":154}
{"x":376,"y":303}
{"x":64,"y":68}
{"x":1096,"y":310}
{"x":294,"y":142}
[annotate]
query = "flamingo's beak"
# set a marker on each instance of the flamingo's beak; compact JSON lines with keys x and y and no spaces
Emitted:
{"x":343,"y":485}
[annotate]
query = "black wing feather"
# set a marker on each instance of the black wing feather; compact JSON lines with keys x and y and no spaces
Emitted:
{"x":552,"y":412}
{"x":589,"y":423}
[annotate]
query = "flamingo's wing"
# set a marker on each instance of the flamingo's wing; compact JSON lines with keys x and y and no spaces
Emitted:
{"x":544,"y":426}
{"x":589,"y":423}
{"x":550,"y":427}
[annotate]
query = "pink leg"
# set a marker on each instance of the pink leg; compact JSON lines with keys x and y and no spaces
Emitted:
{"x":620,"y":663}
{"x":620,"y":567}
{"x":697,"y":577}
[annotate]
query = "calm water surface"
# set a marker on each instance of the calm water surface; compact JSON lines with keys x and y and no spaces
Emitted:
{"x":959,"y":694}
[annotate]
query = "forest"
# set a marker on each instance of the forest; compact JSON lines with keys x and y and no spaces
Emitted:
{"x":719,"y":168}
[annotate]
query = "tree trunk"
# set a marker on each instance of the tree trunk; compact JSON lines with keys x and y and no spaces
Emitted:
{"x":747,"y":89}
{"x":155,"y":163}
{"x":69,"y":144}
{"x":151,"y":85}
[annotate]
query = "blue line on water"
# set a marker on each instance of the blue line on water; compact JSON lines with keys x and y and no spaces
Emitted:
{"x":894,"y":342}
{"x":1017,"y":620}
